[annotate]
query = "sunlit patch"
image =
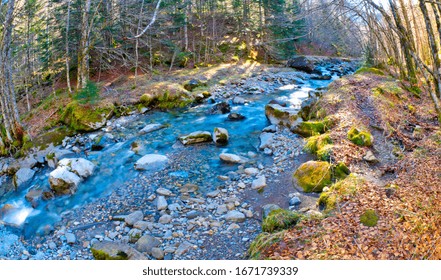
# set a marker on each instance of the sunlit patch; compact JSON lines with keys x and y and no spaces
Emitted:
{"x":288,"y":87}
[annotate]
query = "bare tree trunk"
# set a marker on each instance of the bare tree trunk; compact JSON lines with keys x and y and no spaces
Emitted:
{"x":83,"y":51}
{"x":69,"y":88}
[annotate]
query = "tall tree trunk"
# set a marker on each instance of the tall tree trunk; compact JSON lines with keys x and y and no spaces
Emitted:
{"x":83,"y":51}
{"x":69,"y":88}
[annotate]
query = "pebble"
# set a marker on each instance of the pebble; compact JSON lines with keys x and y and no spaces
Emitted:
{"x":165,"y":219}
{"x":161,"y":203}
{"x":70,"y":238}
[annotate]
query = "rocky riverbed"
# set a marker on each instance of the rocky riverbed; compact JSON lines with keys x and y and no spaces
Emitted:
{"x":188,"y":201}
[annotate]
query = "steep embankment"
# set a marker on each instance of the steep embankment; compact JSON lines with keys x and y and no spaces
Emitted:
{"x":388,"y":208}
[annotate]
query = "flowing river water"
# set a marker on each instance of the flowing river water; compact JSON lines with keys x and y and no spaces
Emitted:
{"x":198,"y":164}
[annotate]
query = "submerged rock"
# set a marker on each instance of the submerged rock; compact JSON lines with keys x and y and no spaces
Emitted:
{"x":196,"y":137}
{"x":151,"y":127}
{"x":220,"y":136}
{"x":236,"y":117}
{"x":220,"y":108}
{"x":151,"y":161}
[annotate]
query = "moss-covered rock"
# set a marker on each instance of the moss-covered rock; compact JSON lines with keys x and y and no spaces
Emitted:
{"x":280,"y":219}
{"x":349,"y":186}
{"x":196,"y":137}
{"x":312,"y":128}
{"x":107,"y":250}
{"x":360,"y":137}
{"x":280,"y":115}
{"x":320,"y":145}
{"x":369,"y":218}
{"x":313,"y":176}
{"x":87,"y":117}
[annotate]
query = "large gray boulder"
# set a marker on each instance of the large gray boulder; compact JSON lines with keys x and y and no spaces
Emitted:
{"x":196,"y":137}
{"x":80,"y":166}
{"x":279,"y":115}
{"x":23,"y":176}
{"x":151,"y":161}
{"x":302,"y":63}
{"x":63,"y":181}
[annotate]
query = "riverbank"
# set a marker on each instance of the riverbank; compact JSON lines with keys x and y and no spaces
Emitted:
{"x":390,"y":208}
{"x":196,"y":205}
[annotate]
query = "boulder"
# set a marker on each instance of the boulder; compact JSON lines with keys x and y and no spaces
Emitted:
{"x":196,"y":137}
{"x":259,"y":183}
{"x":108,"y":250}
{"x":151,"y":161}
{"x":146,"y":243}
{"x":235,"y":117}
{"x":23,"y":176}
{"x":279,"y":115}
{"x":158,"y":253}
{"x":220,"y":136}
{"x":151,"y":127}
{"x":63,"y":181}
{"x":266,"y":140}
{"x":80,"y":166}
{"x":220,"y":108}
{"x":313,"y":176}
{"x":235,"y":216}
{"x":86,"y":117}
{"x":302,"y":63}
{"x":232,"y":158}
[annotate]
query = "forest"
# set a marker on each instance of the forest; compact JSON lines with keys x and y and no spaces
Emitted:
{"x":109,"y":108}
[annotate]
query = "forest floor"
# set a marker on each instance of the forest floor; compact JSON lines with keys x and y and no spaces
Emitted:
{"x":403,"y":188}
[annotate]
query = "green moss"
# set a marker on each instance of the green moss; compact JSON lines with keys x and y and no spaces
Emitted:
{"x":54,"y":137}
{"x":360,"y":138}
{"x":101,"y":255}
{"x":82,"y":117}
{"x":147,"y":99}
{"x":262,"y":242}
{"x":327,"y":201}
{"x":312,"y":128}
{"x":341,"y":171}
{"x":280,"y":219}
{"x":320,"y":145}
{"x":369,"y":218}
{"x":371,"y":70}
{"x":313,"y":176}
{"x":349,"y":186}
